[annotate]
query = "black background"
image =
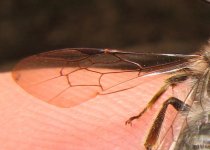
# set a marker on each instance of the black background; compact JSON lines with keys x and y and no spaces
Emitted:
{"x":33,"y":26}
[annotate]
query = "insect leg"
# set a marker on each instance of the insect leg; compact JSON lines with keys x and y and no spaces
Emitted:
{"x":151,"y":102}
{"x":155,"y":129}
{"x":172,"y":81}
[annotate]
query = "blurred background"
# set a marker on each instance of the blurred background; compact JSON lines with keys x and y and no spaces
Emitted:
{"x":32,"y":26}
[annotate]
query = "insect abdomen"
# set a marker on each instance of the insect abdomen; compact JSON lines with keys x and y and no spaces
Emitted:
{"x":196,"y":136}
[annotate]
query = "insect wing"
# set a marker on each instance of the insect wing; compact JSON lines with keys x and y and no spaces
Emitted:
{"x":68,"y":77}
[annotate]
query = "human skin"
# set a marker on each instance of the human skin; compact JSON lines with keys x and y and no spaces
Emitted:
{"x":99,"y":123}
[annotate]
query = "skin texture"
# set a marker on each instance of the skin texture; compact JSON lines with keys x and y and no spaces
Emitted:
{"x":99,"y":123}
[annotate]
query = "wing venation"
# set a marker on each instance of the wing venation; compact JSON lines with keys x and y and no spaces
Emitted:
{"x":68,"y":77}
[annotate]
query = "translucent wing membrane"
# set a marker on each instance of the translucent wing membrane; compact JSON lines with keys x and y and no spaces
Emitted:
{"x":68,"y":77}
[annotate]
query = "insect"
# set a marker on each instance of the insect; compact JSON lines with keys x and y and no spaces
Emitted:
{"x":74,"y":66}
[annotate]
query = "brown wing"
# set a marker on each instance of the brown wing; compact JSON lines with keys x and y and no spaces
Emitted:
{"x":69,"y":77}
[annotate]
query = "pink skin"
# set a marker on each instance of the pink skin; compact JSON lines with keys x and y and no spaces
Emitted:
{"x":99,"y":123}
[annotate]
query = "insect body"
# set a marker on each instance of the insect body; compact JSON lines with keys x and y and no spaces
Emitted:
{"x":71,"y":65}
{"x":195,"y":135}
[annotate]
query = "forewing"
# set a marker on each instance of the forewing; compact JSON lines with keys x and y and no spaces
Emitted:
{"x":68,"y":77}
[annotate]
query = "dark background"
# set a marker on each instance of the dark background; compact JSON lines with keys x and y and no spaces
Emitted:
{"x":33,"y":26}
